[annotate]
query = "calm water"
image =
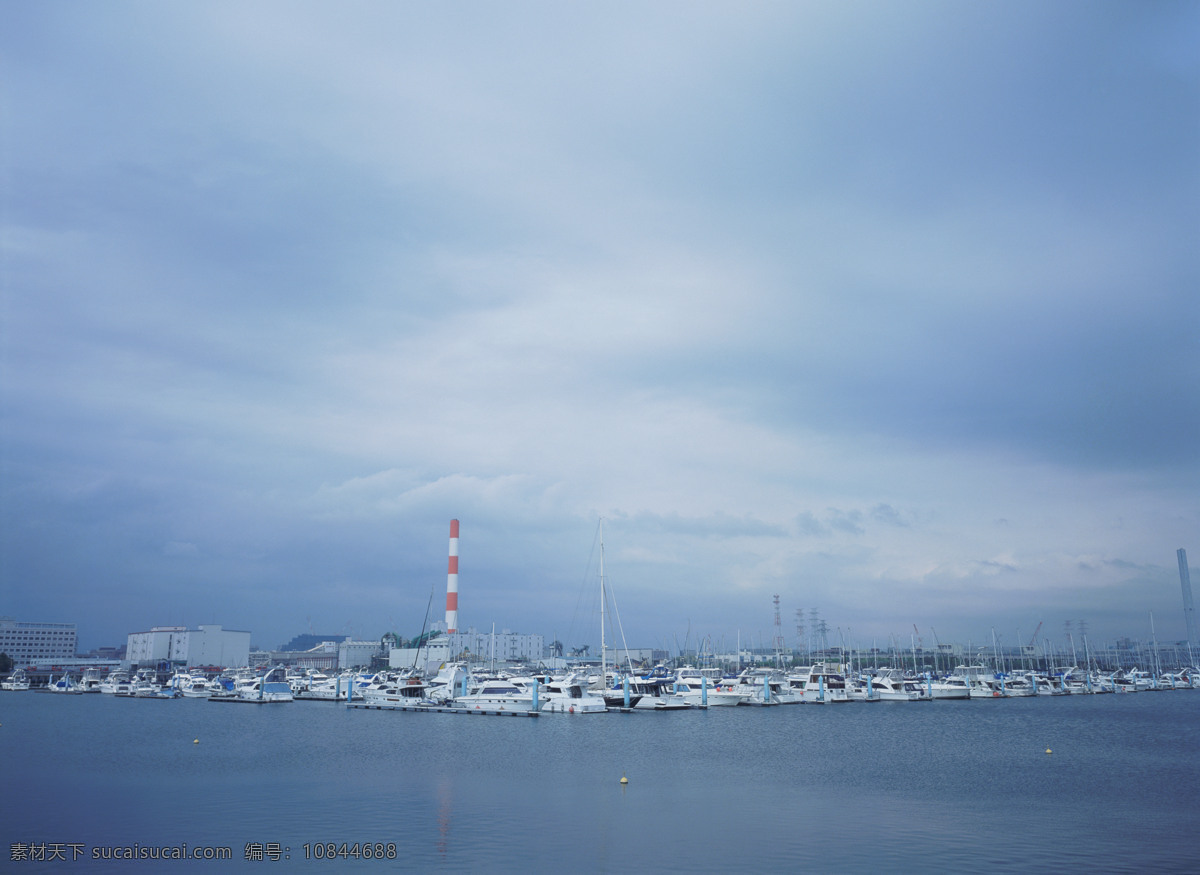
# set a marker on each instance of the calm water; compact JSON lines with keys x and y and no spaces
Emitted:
{"x":942,"y":786}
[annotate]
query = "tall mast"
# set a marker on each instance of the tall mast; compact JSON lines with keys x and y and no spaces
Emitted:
{"x":603,"y":662}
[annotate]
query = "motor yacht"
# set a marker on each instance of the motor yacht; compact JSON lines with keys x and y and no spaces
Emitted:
{"x":271,"y":687}
{"x":402,"y":688}
{"x":570,"y":695}
{"x":16,"y":682}
{"x":820,"y":684}
{"x":117,"y":682}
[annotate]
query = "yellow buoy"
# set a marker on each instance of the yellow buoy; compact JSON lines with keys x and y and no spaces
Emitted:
{"x":1047,"y":750}
{"x":197,"y":741}
{"x":624,"y":780}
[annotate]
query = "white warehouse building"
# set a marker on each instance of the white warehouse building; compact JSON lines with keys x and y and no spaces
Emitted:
{"x":473,"y":646}
{"x":357,"y":653}
{"x":205,"y":645}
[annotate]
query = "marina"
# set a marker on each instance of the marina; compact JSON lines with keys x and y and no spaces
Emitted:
{"x":459,"y":687}
{"x":938,"y":788}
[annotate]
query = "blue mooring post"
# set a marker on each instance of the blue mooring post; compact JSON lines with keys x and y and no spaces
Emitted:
{"x":349,"y":689}
{"x":625,"y":684}
{"x":766,"y":690}
{"x":929,"y":684}
{"x":704,"y":690}
{"x":464,"y":684}
{"x":535,"y":693}
{"x":870,"y":688}
{"x":821,"y":688}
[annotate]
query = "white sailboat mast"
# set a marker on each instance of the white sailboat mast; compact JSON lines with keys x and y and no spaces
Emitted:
{"x":603,"y":662}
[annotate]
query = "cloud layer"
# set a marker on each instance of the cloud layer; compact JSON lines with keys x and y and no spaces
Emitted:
{"x":888,"y":311}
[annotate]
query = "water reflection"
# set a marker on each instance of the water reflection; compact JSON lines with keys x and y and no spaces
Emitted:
{"x":445,"y":800}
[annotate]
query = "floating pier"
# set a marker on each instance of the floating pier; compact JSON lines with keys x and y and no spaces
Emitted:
{"x":442,"y":709}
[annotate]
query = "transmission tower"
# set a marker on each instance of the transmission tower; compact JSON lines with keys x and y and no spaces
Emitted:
{"x":818,"y":632}
{"x":778,"y":644}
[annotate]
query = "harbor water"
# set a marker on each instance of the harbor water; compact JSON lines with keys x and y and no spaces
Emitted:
{"x":1076,"y":783}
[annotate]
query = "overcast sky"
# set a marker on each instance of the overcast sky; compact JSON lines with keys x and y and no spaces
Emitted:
{"x":888,"y":309}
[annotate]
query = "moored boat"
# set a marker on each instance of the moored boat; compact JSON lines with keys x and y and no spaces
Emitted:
{"x":64,"y":684}
{"x":819,"y":684}
{"x":950,"y":687}
{"x":91,"y":681}
{"x":570,"y":695}
{"x":197,"y":686}
{"x":16,"y":682}
{"x":395,"y":689}
{"x":894,"y":687}
{"x":498,"y":694}
{"x":117,"y":683}
{"x":271,"y":687}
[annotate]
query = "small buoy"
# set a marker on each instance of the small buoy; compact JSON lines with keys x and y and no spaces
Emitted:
{"x":624,"y":780}
{"x":1047,"y":750}
{"x":197,"y":741}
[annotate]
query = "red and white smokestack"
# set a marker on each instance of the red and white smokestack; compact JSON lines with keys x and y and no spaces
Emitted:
{"x":452,"y":581}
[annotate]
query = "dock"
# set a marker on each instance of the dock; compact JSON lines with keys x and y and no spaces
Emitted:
{"x":441,"y":709}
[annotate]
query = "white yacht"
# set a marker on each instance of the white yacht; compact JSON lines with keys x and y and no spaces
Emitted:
{"x":820,"y":684}
{"x":983,"y":688}
{"x":271,"y":687}
{"x":63,"y":685}
{"x":655,"y":693}
{"x":860,"y":689}
{"x":1045,"y":686}
{"x":1075,"y":682}
{"x":1015,"y":685}
{"x":950,"y":687}
{"x":452,"y":679}
{"x":570,"y":695}
{"x":117,"y":683}
{"x":498,"y":694}
{"x":706,"y":695}
{"x":697,"y":677}
{"x":16,"y":682}
{"x":763,"y":687}
{"x":341,"y":687}
{"x":197,"y":686}
{"x":145,"y":685}
{"x":403,"y":688}
{"x":615,"y":694}
{"x":1180,"y":680}
{"x":91,"y":680}
{"x":894,"y":687}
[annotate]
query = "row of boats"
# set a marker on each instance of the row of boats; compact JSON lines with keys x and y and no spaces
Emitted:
{"x":457,"y":685}
{"x":145,"y":684}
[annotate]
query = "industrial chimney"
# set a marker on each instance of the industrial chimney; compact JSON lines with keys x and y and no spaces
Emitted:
{"x":452,"y":582}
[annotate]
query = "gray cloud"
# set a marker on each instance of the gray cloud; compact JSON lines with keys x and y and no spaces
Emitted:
{"x":800,"y":300}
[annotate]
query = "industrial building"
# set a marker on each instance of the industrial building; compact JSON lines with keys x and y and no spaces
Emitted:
{"x":205,"y":645}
